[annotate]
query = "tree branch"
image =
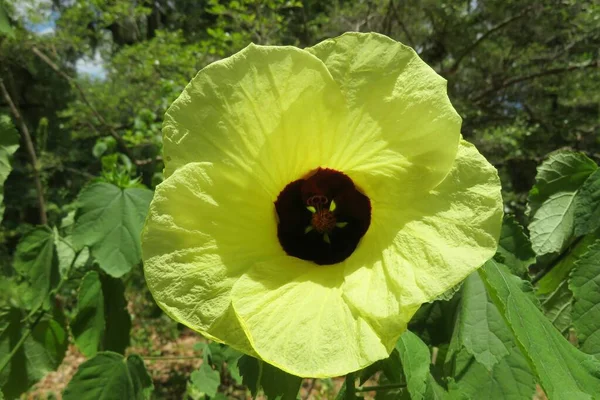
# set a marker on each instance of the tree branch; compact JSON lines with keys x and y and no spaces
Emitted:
{"x":120,"y":141}
{"x":30,"y":150}
{"x":477,"y":42}
{"x":409,"y":38}
{"x":552,"y":71}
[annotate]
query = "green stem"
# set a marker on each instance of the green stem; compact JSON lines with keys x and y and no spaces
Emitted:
{"x":350,"y":386}
{"x":391,"y":386}
{"x":160,"y":358}
{"x":38,"y":319}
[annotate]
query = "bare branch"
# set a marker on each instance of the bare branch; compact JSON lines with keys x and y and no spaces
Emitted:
{"x":553,"y":71}
{"x":30,"y":150}
{"x":122,"y":144}
{"x":477,"y":42}
{"x":409,"y":38}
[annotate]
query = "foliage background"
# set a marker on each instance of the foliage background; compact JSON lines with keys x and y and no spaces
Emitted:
{"x":92,"y":79}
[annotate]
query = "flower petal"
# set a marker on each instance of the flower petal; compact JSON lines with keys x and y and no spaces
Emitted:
{"x":274,"y":112}
{"x":296,"y":318}
{"x":205,"y":227}
{"x":426,"y":246}
{"x":401,"y":121}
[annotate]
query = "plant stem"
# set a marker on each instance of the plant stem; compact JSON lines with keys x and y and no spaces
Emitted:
{"x":391,"y":386}
{"x":350,"y":386}
{"x":29,"y":146}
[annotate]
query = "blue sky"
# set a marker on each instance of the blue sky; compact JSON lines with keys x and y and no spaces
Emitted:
{"x":92,"y":67}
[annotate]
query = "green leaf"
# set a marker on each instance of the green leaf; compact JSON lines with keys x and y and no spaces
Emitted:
{"x":102,"y":321}
{"x":36,"y":261}
{"x":587,"y":206}
{"x":551,"y":201}
{"x":109,"y":376}
{"x":275,"y":382}
{"x":65,"y":253}
{"x":250,"y":370}
{"x":416,"y":359}
{"x":562,"y":171}
{"x":514,"y":247}
{"x":508,"y":375}
{"x":557,"y":307}
{"x":480,"y":327}
{"x":552,"y":226}
{"x":559,"y":273}
{"x":563,"y":371}
{"x":109,"y":221}
{"x":42,"y":351}
{"x":88,"y":324}
{"x":9,"y":143}
{"x":509,"y":379}
{"x":584,"y":283}
{"x":206,"y":379}
{"x":278,"y":384}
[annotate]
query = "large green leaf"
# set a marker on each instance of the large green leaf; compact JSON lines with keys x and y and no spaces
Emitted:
{"x":483,"y":358}
{"x":584,"y":283}
{"x":36,"y":261}
{"x":564,"y":372}
{"x":561,"y":171}
{"x":587,"y":206}
{"x":9,"y":142}
{"x":42,"y":351}
{"x":109,"y":221}
{"x":110,"y":376}
{"x":480,"y":327}
{"x":88,"y":324}
{"x":514,"y":247}
{"x":551,"y":201}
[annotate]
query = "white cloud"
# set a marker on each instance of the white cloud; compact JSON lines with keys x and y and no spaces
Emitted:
{"x":92,"y":67}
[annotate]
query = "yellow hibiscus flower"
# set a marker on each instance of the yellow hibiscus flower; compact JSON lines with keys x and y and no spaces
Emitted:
{"x":313,"y":200}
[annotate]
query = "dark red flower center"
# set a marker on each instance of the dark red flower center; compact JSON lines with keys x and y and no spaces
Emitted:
{"x":322,"y":217}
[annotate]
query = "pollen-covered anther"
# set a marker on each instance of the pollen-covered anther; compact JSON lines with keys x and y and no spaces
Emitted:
{"x":323,"y":221}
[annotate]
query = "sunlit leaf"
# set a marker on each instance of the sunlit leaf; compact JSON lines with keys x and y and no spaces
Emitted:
{"x":110,"y":376}
{"x":563,"y":371}
{"x":480,"y":327}
{"x":109,"y":221}
{"x":206,"y":379}
{"x":551,"y":201}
